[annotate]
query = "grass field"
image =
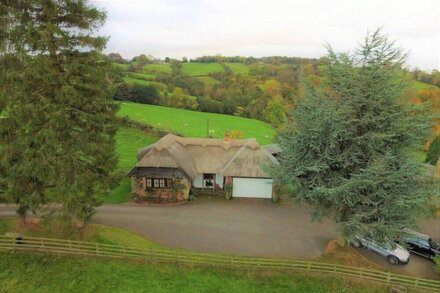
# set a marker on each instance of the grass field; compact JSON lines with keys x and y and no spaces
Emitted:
{"x":196,"y":68}
{"x":35,"y":272}
{"x":120,"y":66}
{"x":92,"y":233}
{"x":157,"y":68}
{"x":128,"y":141}
{"x":417,"y":85}
{"x":238,"y":68}
{"x":145,"y":76}
{"x":208,"y":80}
{"x":193,"y":123}
{"x":133,"y":80}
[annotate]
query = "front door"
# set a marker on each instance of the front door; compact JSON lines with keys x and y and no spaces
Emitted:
{"x":208,"y":180}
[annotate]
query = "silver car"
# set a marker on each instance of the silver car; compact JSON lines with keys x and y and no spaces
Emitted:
{"x":396,"y":255}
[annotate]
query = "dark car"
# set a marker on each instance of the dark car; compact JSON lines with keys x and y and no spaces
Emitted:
{"x":421,"y":244}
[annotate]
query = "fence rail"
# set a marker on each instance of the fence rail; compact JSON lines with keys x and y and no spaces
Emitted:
{"x":62,"y":246}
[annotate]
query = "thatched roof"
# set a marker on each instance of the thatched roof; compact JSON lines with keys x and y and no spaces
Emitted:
{"x":239,"y":157}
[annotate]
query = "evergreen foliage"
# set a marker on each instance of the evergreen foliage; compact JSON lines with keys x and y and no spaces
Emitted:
{"x":433,"y":154}
{"x":57,"y":120}
{"x":345,"y":149}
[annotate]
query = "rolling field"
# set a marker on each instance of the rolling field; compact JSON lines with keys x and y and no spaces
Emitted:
{"x":208,"y":80}
{"x":157,"y":67}
{"x":133,"y":80}
{"x":238,"y":68}
{"x":417,"y":85}
{"x":193,"y":123}
{"x":197,"y":69}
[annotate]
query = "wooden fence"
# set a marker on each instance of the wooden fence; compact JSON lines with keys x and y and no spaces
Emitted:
{"x":62,"y":246}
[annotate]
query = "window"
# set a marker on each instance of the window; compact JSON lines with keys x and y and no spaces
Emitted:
{"x":159,"y":182}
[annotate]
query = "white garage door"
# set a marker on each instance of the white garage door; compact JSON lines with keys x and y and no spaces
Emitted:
{"x":252,"y":187}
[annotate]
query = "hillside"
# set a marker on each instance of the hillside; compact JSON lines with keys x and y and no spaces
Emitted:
{"x":193,"y":123}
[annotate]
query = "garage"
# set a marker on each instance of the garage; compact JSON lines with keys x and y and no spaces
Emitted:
{"x":252,"y":187}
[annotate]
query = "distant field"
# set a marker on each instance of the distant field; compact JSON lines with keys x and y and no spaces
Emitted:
{"x":198,"y":68}
{"x":133,"y":80}
{"x":146,"y":76}
{"x":238,"y":68}
{"x":158,"y":67}
{"x":207,"y":80}
{"x":120,"y":66}
{"x":192,"y":123}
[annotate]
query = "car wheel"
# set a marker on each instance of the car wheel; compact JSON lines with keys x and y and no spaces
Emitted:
{"x":393,"y":260}
{"x":356,"y":243}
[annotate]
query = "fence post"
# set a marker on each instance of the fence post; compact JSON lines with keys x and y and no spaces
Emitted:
{"x":70,"y":244}
{"x":308,"y":266}
{"x":97,"y":248}
{"x":388,"y":277}
{"x":42,"y":243}
{"x":416,"y":283}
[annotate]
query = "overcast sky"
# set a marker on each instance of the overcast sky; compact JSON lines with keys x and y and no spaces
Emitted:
{"x":258,"y":28}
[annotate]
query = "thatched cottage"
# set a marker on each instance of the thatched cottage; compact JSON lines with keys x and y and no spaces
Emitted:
{"x":174,"y":165}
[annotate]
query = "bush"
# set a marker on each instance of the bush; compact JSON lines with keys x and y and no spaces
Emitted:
{"x":137,"y":93}
{"x":209,"y":105}
{"x":228,"y":191}
{"x":433,"y":152}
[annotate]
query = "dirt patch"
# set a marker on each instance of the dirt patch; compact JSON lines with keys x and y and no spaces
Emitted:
{"x":346,"y":255}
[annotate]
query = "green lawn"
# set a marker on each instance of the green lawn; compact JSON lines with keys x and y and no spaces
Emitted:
{"x":238,"y":68}
{"x":128,"y":141}
{"x":36,"y":272}
{"x":193,"y":123}
{"x":198,"y":68}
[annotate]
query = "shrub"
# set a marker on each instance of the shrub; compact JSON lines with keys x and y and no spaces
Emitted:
{"x":433,"y":152}
{"x":137,"y":93}
{"x":228,"y":191}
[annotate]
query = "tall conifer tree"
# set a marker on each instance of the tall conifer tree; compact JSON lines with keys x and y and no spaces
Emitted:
{"x":57,"y":121}
{"x":345,"y":151}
